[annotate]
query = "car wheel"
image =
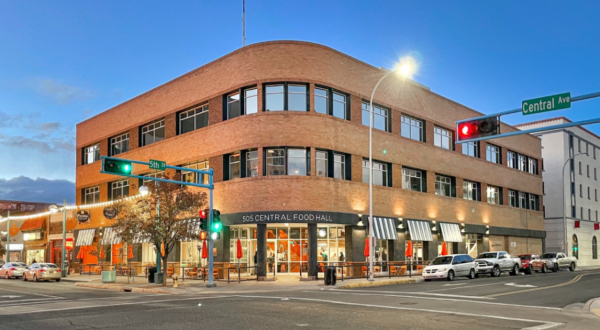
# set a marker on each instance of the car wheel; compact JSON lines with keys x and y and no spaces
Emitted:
{"x":58,"y":280}
{"x":35,"y":279}
{"x":529,"y":270}
{"x":472,"y":274}
{"x":495,"y":271}
{"x":24,"y":278}
{"x":6,"y":276}
{"x":451,"y":275}
{"x":572,"y":267}
{"x":544,"y":269}
{"x":555,"y":269}
{"x":427,"y":280}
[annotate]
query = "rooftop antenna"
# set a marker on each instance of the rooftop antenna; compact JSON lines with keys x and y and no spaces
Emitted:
{"x":244,"y":23}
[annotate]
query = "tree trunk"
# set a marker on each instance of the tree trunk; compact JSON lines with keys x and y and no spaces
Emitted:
{"x":164,"y":261}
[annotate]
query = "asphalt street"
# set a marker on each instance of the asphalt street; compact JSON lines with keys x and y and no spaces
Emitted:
{"x":543,"y":301}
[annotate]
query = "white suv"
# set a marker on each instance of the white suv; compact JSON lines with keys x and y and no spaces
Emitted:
{"x":450,"y":266}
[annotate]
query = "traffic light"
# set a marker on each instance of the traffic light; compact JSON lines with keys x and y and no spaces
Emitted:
{"x":216,"y":224}
{"x":204,"y":220}
{"x":117,"y":166}
{"x":478,"y":128}
{"x":202,"y":235}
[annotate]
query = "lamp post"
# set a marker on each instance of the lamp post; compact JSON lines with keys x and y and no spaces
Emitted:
{"x":564,"y":202}
{"x":8,"y":237}
{"x":404,"y":70}
{"x":65,"y":265}
{"x":144,"y":192}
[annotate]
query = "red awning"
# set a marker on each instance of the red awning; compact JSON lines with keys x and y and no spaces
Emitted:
{"x":34,"y":224}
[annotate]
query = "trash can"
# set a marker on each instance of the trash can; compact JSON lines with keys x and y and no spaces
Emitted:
{"x":330,"y":278}
{"x":151,"y":272}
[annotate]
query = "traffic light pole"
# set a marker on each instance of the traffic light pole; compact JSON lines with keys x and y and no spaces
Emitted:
{"x":211,"y":283}
{"x":8,"y":238}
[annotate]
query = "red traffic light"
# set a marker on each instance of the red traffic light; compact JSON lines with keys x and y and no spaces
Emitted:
{"x":465,"y":130}
{"x":203,"y":214}
{"x":478,"y":128}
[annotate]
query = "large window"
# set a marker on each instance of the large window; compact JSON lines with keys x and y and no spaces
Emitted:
{"x":442,"y":138}
{"x":193,"y":119}
{"x":250,"y":101}
{"x":380,"y":173}
{"x":443,"y":185}
{"x":522,"y":200}
{"x":153,"y":132}
{"x":286,"y":96}
{"x":533,"y":166}
{"x":326,"y":104}
{"x":286,"y":161}
{"x":233,"y":105}
{"x":380,"y":117}
{"x":119,"y":189}
{"x":471,"y":149}
{"x":322,"y":163}
{"x":297,"y":162}
{"x":533,"y":202}
{"x":522,"y":162}
{"x":412,"y":128}
{"x":492,"y":154}
{"x":119,"y":144}
{"x":511,"y":160}
{"x":512,"y":198}
{"x":413,"y":180}
{"x":91,"y":154}
{"x":234,"y":166}
{"x":471,"y":191}
{"x":242,"y":102}
{"x":91,"y":195}
{"x":493,"y":195}
{"x":193,"y":177}
{"x":322,"y":101}
{"x":275,"y":161}
{"x":160,"y":174}
{"x":339,"y":166}
{"x":251,"y":163}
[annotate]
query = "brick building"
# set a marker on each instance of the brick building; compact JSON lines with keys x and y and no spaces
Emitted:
{"x":282,"y":125}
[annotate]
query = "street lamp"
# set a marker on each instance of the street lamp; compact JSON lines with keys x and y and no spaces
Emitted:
{"x":143,"y":190}
{"x":404,"y":69}
{"x":566,"y":245}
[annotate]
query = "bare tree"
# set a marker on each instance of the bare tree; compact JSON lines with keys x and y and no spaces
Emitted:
{"x":2,"y":250}
{"x":162,"y":217}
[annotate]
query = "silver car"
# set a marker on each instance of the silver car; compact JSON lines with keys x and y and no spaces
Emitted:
{"x":42,"y":272}
{"x":12,"y":269}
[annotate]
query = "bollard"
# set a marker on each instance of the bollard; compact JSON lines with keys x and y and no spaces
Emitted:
{"x":175,"y":280}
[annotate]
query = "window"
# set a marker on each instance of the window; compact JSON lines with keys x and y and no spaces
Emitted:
{"x":233,"y":105}
{"x":595,"y":174}
{"x":493,"y":195}
{"x":596,"y":194}
{"x":590,"y":214}
{"x":581,"y":212}
{"x":119,"y":189}
{"x":380,"y":173}
{"x":588,"y":171}
{"x":153,"y":132}
{"x":192,"y":177}
{"x":442,"y":138}
{"x":412,"y":180}
{"x":290,"y":161}
{"x":533,"y":202}
{"x":286,"y":96}
{"x":594,"y":150}
{"x":322,"y":163}
{"x":250,"y":101}
{"x":412,"y":128}
{"x":511,"y":159}
{"x":339,"y":166}
{"x":251,"y":163}
{"x":297,"y":100}
{"x":322,"y":101}
{"x":533,"y":165}
{"x":580,"y":171}
{"x":471,"y":149}
{"x":193,"y":119}
{"x":579,"y":145}
{"x":589,"y":195}
{"x":594,"y":248}
{"x":152,"y":175}
{"x":492,"y":154}
{"x":512,"y":198}
{"x":91,"y":195}
{"x":340,"y":106}
{"x":380,"y":117}
{"x":234,"y":166}
{"x":581,"y":191}
{"x":336,"y":106}
{"x":471,"y":191}
{"x":297,"y":162}
{"x":275,"y":161}
{"x":91,"y":154}
{"x":522,"y":200}
{"x":443,"y":185}
{"x":119,"y":144}
{"x":274,"y":98}
{"x":522,"y":162}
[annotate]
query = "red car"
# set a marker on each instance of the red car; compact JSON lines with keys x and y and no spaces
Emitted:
{"x":532,"y":262}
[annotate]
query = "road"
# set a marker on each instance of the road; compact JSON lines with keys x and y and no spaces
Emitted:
{"x":542,"y":301}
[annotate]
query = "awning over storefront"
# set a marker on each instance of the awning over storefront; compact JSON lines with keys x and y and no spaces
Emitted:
{"x":85,"y":237}
{"x":110,"y":237}
{"x":383,"y":228}
{"x":419,"y":230}
{"x":451,"y":232}
{"x":33,"y":224}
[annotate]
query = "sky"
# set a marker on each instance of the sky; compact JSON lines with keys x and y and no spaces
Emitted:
{"x":62,"y":62}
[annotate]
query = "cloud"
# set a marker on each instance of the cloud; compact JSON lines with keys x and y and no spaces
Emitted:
{"x":37,"y":190}
{"x":9,"y":120}
{"x":33,"y":145}
{"x":61,"y":93}
{"x":50,"y":126}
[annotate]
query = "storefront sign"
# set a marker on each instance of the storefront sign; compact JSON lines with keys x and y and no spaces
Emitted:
{"x":83,"y":216}
{"x":110,"y":212}
{"x":15,"y":247}
{"x":69,"y":243}
{"x":289,"y":217}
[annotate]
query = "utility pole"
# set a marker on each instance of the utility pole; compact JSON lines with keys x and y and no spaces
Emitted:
{"x":65,"y":264}
{"x":8,"y":238}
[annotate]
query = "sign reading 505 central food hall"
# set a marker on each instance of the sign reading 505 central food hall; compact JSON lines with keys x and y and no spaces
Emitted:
{"x":289,"y":217}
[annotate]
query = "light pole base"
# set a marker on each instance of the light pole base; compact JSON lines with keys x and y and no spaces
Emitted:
{"x":214,"y":285}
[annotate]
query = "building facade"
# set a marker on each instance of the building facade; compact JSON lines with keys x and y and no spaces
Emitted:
{"x":571,"y":164}
{"x":284,"y":125}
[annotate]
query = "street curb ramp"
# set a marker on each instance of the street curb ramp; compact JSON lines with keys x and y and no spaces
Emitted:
{"x":121,"y":288}
{"x":379,"y":283}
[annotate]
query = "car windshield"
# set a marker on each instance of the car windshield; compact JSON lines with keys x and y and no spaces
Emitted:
{"x":487,"y":256}
{"x":49,"y":265}
{"x":525,"y":257}
{"x":441,"y":261}
{"x":549,"y":255}
{"x":22,"y":265}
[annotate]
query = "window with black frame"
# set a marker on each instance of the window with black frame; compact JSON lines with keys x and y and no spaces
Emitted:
{"x":119,"y":144}
{"x":193,"y":119}
{"x":380,"y":173}
{"x":412,"y":179}
{"x":251,"y":163}
{"x":331,"y":102}
{"x":286,"y":97}
{"x":380,"y":117}
{"x":243,"y":101}
{"x":193,"y":177}
{"x":286,"y":161}
{"x":91,"y":195}
{"x":119,"y":189}
{"x":91,"y":154}
{"x":234,"y":166}
{"x":471,"y":191}
{"x":153,"y":132}
{"x":322,"y":163}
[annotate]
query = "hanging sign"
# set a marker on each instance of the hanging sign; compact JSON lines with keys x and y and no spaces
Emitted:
{"x":14,"y":230}
{"x":83,"y":216}
{"x":110,"y":212}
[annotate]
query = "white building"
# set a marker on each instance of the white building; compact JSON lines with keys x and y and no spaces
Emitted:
{"x":573,"y":195}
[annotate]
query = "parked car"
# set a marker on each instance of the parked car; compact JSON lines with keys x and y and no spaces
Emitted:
{"x":557,"y":260}
{"x":42,"y":272}
{"x":12,"y":269}
{"x":494,"y":263}
{"x":532,"y":262}
{"x":450,"y":266}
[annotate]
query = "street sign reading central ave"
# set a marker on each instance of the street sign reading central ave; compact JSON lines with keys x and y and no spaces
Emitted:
{"x":157,"y":165}
{"x":546,"y":103}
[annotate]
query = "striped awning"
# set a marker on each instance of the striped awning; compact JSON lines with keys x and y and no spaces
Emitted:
{"x":419,"y":230}
{"x":451,"y":232}
{"x":138,"y":239}
{"x":110,"y":237}
{"x":85,"y":237}
{"x":383,"y":228}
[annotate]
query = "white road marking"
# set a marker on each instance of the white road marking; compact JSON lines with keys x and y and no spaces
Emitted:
{"x":417,"y":293}
{"x":454,"y":284}
{"x":547,"y":324}
{"x":463,"y":287}
{"x":3,"y":303}
{"x":29,"y":293}
{"x":521,"y":285}
{"x":10,"y":297}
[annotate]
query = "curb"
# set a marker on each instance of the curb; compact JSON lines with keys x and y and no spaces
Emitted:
{"x":379,"y":283}
{"x":121,"y":288}
{"x":593,"y":306}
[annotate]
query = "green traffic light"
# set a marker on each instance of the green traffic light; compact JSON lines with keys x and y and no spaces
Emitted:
{"x":217,"y":226}
{"x":126,"y":167}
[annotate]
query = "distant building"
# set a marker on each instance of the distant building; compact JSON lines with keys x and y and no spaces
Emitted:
{"x":570,"y":197}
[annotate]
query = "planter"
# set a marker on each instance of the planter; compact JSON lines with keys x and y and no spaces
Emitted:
{"x":109,"y":276}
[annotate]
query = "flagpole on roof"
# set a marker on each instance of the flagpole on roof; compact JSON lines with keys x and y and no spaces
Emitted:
{"x":244,"y":23}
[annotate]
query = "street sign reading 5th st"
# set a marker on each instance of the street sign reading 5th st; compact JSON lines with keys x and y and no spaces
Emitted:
{"x":157,"y":165}
{"x":547,"y":103}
